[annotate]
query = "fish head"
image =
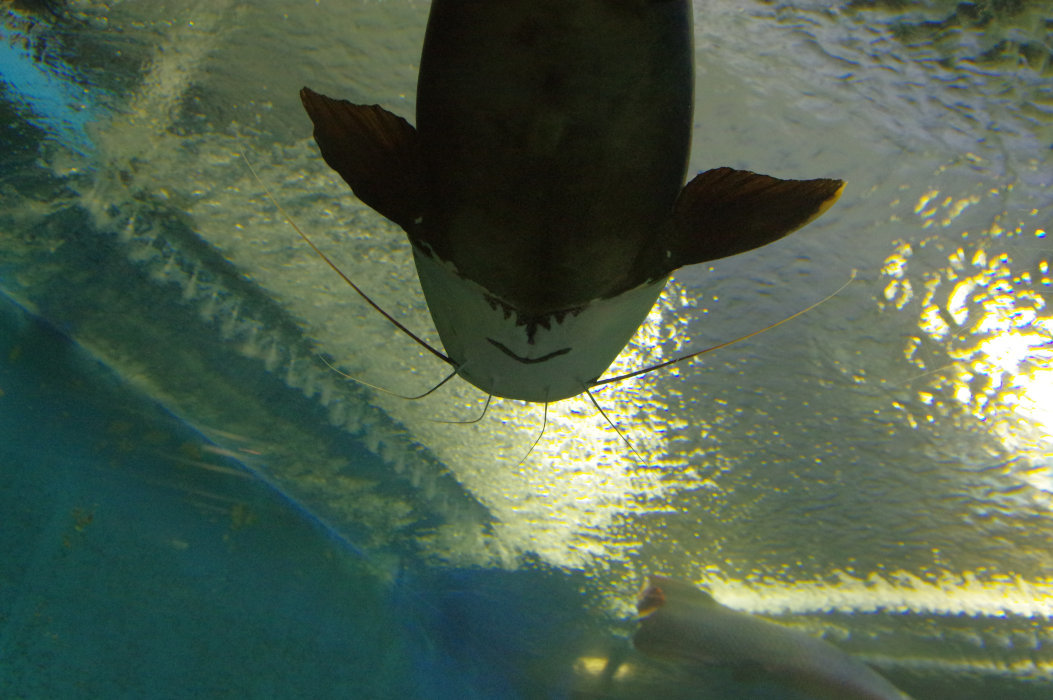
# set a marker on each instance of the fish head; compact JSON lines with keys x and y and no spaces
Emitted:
{"x":513,"y":352}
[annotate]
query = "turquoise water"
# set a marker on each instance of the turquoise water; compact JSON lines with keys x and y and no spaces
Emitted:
{"x":137,"y":563}
{"x":197,"y":504}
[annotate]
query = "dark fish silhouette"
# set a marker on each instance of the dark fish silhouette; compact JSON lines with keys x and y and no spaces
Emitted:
{"x":682,"y":622}
{"x":541,"y":189}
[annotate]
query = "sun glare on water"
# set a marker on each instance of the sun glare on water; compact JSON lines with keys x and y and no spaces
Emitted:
{"x":991,"y":317}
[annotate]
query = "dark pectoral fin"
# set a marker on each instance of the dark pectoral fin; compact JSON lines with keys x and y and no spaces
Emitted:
{"x":724,"y":211}
{"x":373,"y":150}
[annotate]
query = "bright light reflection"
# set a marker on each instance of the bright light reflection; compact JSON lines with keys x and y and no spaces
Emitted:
{"x":995,"y":324}
{"x":1016,"y":367}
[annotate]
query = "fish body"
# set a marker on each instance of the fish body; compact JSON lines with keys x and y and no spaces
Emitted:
{"x":542,"y":187}
{"x":683,"y":623}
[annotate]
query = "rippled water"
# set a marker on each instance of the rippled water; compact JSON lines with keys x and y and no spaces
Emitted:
{"x":888,"y":452}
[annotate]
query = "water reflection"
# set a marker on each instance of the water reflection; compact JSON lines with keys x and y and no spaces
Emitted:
{"x":986,"y":329}
{"x":889,"y":451}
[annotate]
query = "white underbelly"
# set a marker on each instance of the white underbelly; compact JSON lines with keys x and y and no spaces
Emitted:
{"x":493,"y":351}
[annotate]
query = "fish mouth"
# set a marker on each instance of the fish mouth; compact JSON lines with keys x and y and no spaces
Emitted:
{"x":527,"y":360}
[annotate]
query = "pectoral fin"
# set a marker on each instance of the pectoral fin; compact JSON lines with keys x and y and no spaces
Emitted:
{"x":374,"y":151}
{"x":723,"y":212}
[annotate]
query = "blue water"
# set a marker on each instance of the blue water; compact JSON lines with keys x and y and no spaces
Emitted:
{"x":137,"y":563}
{"x":140,"y":563}
{"x":192,"y":503}
{"x":129,"y":571}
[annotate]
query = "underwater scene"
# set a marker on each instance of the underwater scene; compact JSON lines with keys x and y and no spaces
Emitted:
{"x":225,"y":474}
